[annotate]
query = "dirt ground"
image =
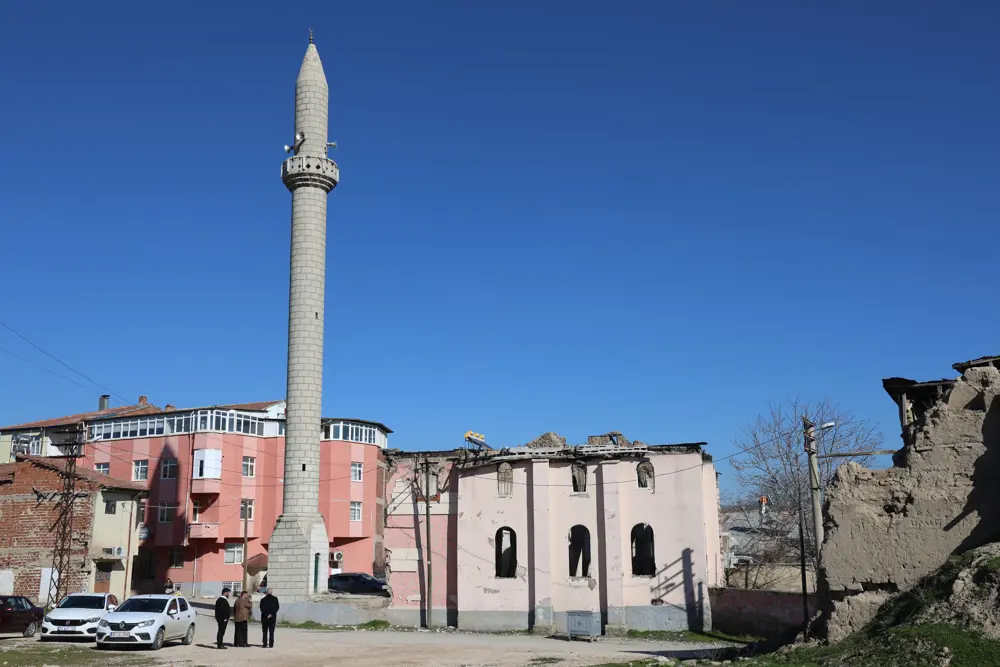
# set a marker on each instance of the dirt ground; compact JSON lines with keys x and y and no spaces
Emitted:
{"x":359,"y":648}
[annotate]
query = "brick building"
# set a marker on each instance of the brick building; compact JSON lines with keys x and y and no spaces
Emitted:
{"x":207,"y":468}
{"x":103,"y":527}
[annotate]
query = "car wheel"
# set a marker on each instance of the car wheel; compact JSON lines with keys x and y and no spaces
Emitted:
{"x":189,"y":636}
{"x":158,"y":640}
{"x":30,"y":630}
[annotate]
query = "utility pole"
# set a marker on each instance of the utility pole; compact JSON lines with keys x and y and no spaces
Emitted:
{"x":63,"y":548}
{"x":427,"y":519}
{"x":802,"y":563}
{"x":246,"y":520}
{"x":809,"y":433}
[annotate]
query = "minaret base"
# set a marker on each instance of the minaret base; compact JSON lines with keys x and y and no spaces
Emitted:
{"x":298,"y":562}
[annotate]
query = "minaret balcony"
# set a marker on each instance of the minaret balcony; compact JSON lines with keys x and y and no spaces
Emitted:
{"x":308,"y":170}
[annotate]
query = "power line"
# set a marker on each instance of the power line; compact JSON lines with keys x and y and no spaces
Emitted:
{"x":57,"y":359}
{"x":48,"y":370}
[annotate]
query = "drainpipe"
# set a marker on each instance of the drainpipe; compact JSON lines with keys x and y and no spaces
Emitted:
{"x":194,"y":574}
{"x":128,"y":549}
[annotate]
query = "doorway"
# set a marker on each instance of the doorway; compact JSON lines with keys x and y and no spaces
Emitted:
{"x":102,"y":578}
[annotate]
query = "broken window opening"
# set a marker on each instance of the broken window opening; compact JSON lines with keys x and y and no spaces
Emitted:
{"x":506,"y":557}
{"x":643,"y":553}
{"x":579,"y":472}
{"x":645,"y":476}
{"x":579,"y":551}
{"x":505,"y":479}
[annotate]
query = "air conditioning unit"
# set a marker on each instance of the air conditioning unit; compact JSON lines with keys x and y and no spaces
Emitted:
{"x":117,"y":552}
{"x":338,"y":556}
{"x":120,"y":552}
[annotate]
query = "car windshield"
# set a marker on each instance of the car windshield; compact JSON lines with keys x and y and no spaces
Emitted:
{"x":82,"y":602}
{"x":148,"y":605}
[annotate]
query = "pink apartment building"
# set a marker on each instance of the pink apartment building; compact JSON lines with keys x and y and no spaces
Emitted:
{"x":519,"y":537}
{"x":207,"y":469}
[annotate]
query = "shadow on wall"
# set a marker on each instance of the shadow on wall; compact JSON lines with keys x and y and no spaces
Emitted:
{"x":165,"y":480}
{"x":419,"y":544}
{"x":983,"y":498}
{"x":452,"y":549}
{"x":682,"y":576}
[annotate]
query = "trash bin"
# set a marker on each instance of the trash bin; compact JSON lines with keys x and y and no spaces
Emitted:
{"x":583,"y":624}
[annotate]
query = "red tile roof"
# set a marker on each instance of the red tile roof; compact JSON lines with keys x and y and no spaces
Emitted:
{"x":131,"y":410}
{"x":59,"y":465}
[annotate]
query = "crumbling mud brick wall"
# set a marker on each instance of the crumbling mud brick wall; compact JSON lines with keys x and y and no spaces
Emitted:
{"x":886,"y":529}
{"x":29,"y":512}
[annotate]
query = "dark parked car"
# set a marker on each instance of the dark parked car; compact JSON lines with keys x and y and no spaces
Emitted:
{"x":18,"y":614}
{"x":358,"y":584}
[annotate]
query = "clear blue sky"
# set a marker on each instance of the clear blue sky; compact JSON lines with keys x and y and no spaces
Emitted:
{"x":654,"y":217}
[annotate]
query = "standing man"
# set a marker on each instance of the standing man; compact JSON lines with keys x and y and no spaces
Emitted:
{"x":222,"y":613}
{"x":241,"y":614}
{"x":268,"y":617}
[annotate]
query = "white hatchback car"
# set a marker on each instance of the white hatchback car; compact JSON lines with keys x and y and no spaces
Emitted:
{"x":148,"y":620}
{"x":77,"y":616}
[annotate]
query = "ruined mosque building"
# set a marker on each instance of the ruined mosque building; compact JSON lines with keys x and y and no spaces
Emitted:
{"x":520,"y":536}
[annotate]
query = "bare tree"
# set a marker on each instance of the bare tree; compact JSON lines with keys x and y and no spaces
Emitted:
{"x":774,"y":462}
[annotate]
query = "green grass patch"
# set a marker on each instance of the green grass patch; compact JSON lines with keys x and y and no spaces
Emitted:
{"x":306,"y":625}
{"x":33,"y":653}
{"x":312,"y":625}
{"x":546,"y":660}
{"x":689,"y":636}
{"x":913,"y":646}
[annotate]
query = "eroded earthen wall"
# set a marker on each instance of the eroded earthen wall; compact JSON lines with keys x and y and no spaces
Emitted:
{"x":886,"y":529}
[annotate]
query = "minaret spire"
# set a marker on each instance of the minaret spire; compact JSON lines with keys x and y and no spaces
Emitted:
{"x":310,"y":35}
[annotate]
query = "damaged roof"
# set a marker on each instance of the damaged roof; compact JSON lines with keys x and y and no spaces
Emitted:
{"x":896,"y":387}
{"x":963,"y":366}
{"x":59,"y":465}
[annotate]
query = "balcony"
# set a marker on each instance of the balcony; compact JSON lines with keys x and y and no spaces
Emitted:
{"x":203,"y":531}
{"x":206,"y":485}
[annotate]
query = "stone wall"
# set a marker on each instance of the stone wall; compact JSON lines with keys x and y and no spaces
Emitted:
{"x":740,"y":611}
{"x":887,"y":529}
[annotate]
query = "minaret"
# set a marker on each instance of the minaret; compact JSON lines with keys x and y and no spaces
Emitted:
{"x":298,"y":553}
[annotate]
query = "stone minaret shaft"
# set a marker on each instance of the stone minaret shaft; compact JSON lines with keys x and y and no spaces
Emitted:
{"x":298,"y":553}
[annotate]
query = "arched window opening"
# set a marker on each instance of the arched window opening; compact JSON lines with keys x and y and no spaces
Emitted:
{"x":643,"y":552}
{"x":579,"y":471}
{"x":505,"y":479}
{"x":506,"y":558}
{"x":579,"y":551}
{"x":645,"y":476}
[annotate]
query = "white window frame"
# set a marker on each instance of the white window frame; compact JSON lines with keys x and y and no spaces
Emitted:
{"x":168,"y":468}
{"x":355,"y":510}
{"x":249,"y":466}
{"x":357,"y":471}
{"x":195,"y":511}
{"x":246,"y":507}
{"x":165,"y":512}
{"x":140,"y":470}
{"x":233,"y":555}
{"x":235,"y":586}
{"x":102,"y":468}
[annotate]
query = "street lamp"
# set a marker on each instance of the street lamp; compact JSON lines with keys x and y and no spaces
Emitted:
{"x":809,"y":430}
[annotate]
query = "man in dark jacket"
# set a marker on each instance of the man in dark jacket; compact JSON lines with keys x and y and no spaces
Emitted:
{"x":268,"y":617}
{"x":223,"y":611}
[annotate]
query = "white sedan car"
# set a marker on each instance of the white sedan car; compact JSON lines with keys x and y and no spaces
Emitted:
{"x":77,"y":616}
{"x":148,"y":620}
